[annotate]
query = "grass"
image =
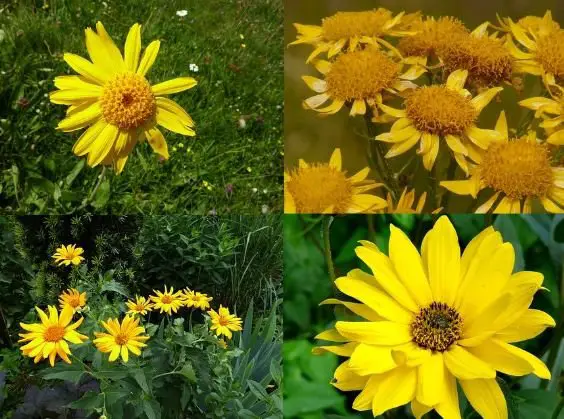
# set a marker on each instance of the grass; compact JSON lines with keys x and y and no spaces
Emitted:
{"x":225,"y":168}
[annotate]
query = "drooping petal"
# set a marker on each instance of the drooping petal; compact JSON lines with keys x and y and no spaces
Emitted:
{"x":465,"y":366}
{"x":486,"y":397}
{"x":430,"y":380}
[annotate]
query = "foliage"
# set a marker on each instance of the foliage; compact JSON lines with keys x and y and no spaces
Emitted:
{"x":538,"y":243}
{"x":229,"y":166}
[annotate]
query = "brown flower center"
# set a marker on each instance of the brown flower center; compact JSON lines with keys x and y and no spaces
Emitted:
{"x":436,"y":327}
{"x":54,"y":333}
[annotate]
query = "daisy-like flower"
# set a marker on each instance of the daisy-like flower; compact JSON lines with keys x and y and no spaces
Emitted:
{"x":486,"y":58}
{"x":516,"y":172}
{"x":542,"y":52}
{"x":224,"y":323}
{"x":112,"y":97}
{"x":73,"y":298}
{"x":544,"y":107}
{"x":121,"y":338}
{"x":167,"y":301}
{"x":65,"y":255}
{"x":317,"y":188}
{"x":432,"y":35}
{"x":49,"y":338}
{"x":140,"y":306}
{"x":433,"y":319}
{"x":350,"y":31}
{"x":438,"y":112}
{"x":530,"y":23}
{"x":358,"y":79}
{"x":196,"y":299}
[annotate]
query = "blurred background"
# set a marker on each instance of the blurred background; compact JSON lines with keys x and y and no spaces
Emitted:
{"x":539,"y":246}
{"x":313,"y":138}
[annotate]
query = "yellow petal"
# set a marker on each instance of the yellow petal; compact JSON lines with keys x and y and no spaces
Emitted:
{"x":82,"y":146}
{"x":86,"y":69}
{"x":395,"y":388}
{"x":430,"y":380}
{"x":465,"y":366}
{"x":124,"y":353}
{"x":112,"y":50}
{"x":359,"y":309}
{"x":528,"y":326}
{"x":556,"y":138}
{"x":441,"y":258}
{"x":398,"y":113}
{"x":335,"y":161}
{"x":172,"y":106}
{"x":449,"y":407}
{"x":358,"y":107}
{"x":174,"y":86}
{"x":346,"y":380}
{"x":73,"y":96}
{"x":457,"y":79}
{"x":115,"y":353}
{"x":333,"y":108}
{"x":84,"y":116}
{"x":365,"y":203}
{"x":455,"y":144}
{"x":501,"y":125}
{"x":375,"y":333}
{"x":483,"y":137}
{"x":157,"y":141}
{"x":430,"y":157}
{"x":398,"y":135}
{"x":368,"y":360}
{"x":172,"y":122}
{"x":486,"y":398}
{"x":102,"y":145}
{"x":479,"y":102}
{"x":149,"y":57}
{"x":407,"y":263}
{"x":315,"y":84}
{"x":536,"y":103}
{"x":76,"y":83}
{"x":132,"y":48}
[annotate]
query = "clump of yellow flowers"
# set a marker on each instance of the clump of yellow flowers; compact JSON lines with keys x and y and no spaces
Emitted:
{"x":51,"y":337}
{"x":421,"y":84}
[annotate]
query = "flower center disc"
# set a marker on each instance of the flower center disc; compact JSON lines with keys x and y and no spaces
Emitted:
{"x":127,"y":101}
{"x":73,"y":301}
{"x":361,"y":75}
{"x":319,"y":187}
{"x":438,"y":110}
{"x":344,"y":25}
{"x":550,"y":53}
{"x":54,"y":334}
{"x":432,"y":36}
{"x":166,"y":299}
{"x":519,"y":169}
{"x":121,"y":339}
{"x":487,"y":60}
{"x":436,"y":327}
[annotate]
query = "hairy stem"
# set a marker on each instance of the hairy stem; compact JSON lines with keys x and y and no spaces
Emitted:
{"x":327,"y":220}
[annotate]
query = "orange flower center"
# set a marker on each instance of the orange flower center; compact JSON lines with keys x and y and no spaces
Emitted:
{"x":121,"y":339}
{"x":127,"y":101}
{"x":438,"y":110}
{"x":519,"y":169}
{"x":223,"y":321}
{"x":54,"y":333}
{"x":319,"y":187}
{"x":73,"y":301}
{"x":550,"y":53}
{"x":166,"y":299}
{"x":344,"y":25}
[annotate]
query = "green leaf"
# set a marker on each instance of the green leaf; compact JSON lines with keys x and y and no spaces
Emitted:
{"x":102,"y":195}
{"x":114,"y":287}
{"x":257,"y":389}
{"x":538,"y":404}
{"x":139,"y":375}
{"x":75,"y":172}
{"x":188,"y":372}
{"x":152,"y":409}
{"x":64,"y":372}
{"x":90,"y":400}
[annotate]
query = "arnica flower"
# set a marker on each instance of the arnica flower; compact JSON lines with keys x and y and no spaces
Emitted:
{"x":432,"y":35}
{"x":488,"y":61}
{"x":167,"y":301}
{"x":73,"y":298}
{"x":530,"y":23}
{"x":544,"y":107}
{"x":65,"y":255}
{"x":196,"y":299}
{"x":112,"y":97}
{"x":317,"y":188}
{"x":433,"y":319}
{"x":440,"y":112}
{"x":544,"y":51}
{"x":516,"y":173}
{"x":49,"y":338}
{"x":140,"y":306}
{"x":350,"y":31}
{"x":224,"y":323}
{"x":121,"y":338}
{"x":358,"y":79}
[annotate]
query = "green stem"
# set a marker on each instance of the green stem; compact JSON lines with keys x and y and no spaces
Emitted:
{"x":327,"y":220}
{"x":558,"y":409}
{"x":371,"y":229}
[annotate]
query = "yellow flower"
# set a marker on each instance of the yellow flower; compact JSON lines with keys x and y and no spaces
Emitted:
{"x":49,"y":338}
{"x":485,"y":57}
{"x":65,"y":255}
{"x":431,"y":36}
{"x":196,"y":299}
{"x":350,"y":30}
{"x":222,"y":343}
{"x":405,"y":203}
{"x":530,"y":23}
{"x":223,"y":322}
{"x":73,"y":298}
{"x":167,"y":301}
{"x":358,"y":79}
{"x":515,"y":172}
{"x":140,"y":306}
{"x":544,"y":55}
{"x":121,"y":338}
{"x":113,"y":98}
{"x":433,"y":319}
{"x":554,"y":106}
{"x":441,"y":111}
{"x":324,"y":188}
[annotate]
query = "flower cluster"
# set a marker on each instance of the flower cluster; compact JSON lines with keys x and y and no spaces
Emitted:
{"x":421,"y":83}
{"x":431,"y":319}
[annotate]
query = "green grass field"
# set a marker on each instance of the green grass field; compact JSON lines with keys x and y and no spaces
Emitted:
{"x":237,"y":47}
